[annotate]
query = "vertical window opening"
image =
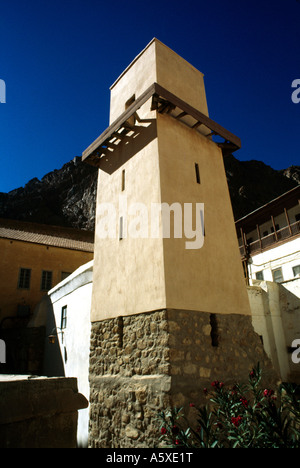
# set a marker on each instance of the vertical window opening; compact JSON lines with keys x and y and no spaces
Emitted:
{"x":214,"y":330}
{"x":197,"y":173}
{"x":24,"y":278}
{"x":277,"y":275}
{"x":121,"y":228}
{"x":120,"y":331}
{"x":123,"y":180}
{"x":63,"y":321}
{"x":130,"y":120}
{"x":46,"y":282}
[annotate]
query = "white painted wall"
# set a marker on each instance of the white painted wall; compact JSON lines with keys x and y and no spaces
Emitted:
{"x":276,"y":307}
{"x":276,"y":318}
{"x":284,"y":256}
{"x":75,"y":292}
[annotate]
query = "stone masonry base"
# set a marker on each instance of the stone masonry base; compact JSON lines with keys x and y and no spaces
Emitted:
{"x":144,"y":363}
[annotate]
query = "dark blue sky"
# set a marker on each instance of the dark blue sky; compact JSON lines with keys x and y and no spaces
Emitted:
{"x":59,"y":58}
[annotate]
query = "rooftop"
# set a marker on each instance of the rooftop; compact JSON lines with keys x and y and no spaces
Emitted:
{"x":54,"y":236}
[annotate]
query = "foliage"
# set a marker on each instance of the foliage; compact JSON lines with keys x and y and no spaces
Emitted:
{"x":244,"y":416}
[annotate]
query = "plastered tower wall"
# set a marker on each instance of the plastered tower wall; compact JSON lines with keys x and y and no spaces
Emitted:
{"x":208,"y":279}
{"x":166,"y":320}
{"x":145,"y":274}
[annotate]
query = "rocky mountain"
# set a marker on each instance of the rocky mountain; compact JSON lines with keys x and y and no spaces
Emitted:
{"x":64,"y":197}
{"x":253,"y":183}
{"x":67,"y":197}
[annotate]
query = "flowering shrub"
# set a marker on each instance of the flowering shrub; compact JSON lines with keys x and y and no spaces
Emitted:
{"x":244,"y":416}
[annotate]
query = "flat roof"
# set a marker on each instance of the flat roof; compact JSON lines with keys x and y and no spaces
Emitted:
{"x":141,"y":53}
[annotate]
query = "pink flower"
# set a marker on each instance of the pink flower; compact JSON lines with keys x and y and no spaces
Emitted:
{"x":236,"y":421}
{"x":268,"y":393}
{"x":218,"y":385}
{"x":215,"y":383}
{"x":244,"y":402}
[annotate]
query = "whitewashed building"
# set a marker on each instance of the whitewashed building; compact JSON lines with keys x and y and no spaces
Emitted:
{"x":65,"y":313}
{"x":269,"y":241}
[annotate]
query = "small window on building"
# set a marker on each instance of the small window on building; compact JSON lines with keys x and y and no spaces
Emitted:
{"x":46,"y":282}
{"x":297,"y":217}
{"x":123,"y":180}
{"x":131,"y":120}
{"x":277,"y":275}
{"x":121,"y":228}
{"x":197,"y":173}
{"x":64,"y":275}
{"x":24,"y":278}
{"x":265,"y":233}
{"x":296,"y":270}
{"x":63,"y":322}
{"x":259,"y":275}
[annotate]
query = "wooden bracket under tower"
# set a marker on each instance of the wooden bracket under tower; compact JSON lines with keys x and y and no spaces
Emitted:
{"x":163,"y":102}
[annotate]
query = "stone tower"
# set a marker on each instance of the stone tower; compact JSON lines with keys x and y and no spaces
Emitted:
{"x":170,"y":310}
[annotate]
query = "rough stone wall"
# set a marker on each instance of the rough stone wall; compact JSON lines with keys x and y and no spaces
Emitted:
{"x":39,"y":413}
{"x":129,"y":380}
{"x":144,"y":363}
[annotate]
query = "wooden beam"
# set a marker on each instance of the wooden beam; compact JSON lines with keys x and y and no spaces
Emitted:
{"x":197,"y":124}
{"x":274,"y":227}
{"x":179,"y":116}
{"x":169,"y":101}
{"x":199,"y":116}
{"x":288,"y":220}
{"x":119,"y":122}
{"x":259,"y":236}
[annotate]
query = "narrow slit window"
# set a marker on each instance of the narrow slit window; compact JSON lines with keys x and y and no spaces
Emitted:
{"x":130,"y":120}
{"x":214,"y":330}
{"x":63,"y":322}
{"x":197,"y":173}
{"x":123,"y":180}
{"x":130,"y":101}
{"x":121,"y":228}
{"x":120,"y":325}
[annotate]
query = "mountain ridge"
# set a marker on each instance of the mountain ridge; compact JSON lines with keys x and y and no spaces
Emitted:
{"x":67,"y":196}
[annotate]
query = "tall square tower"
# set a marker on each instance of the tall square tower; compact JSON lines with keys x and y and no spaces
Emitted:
{"x":159,"y":154}
{"x":170,"y":308}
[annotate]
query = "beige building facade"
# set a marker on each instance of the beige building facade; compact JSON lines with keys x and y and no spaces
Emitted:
{"x":34,"y":258}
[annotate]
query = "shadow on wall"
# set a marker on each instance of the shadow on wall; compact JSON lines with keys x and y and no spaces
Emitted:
{"x":53,"y":365}
{"x":139,"y":137}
